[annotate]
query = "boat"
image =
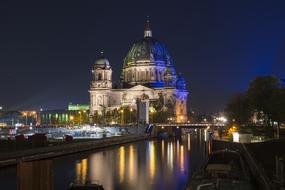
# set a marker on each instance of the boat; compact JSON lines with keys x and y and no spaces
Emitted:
{"x":225,"y":170}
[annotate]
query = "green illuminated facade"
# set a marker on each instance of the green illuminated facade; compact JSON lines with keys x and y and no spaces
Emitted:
{"x":78,"y":107}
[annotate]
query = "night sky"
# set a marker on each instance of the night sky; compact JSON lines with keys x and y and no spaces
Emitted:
{"x":47,"y":50}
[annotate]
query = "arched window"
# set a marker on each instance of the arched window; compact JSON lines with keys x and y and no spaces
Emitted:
{"x":147,"y":75}
{"x":99,"y":76}
{"x":161,"y":75}
{"x":143,"y":76}
{"x":157,"y":75}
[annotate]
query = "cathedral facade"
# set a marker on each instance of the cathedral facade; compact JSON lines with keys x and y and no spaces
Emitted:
{"x":148,"y":73}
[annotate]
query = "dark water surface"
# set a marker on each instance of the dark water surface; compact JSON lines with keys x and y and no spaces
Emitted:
{"x":153,"y":164}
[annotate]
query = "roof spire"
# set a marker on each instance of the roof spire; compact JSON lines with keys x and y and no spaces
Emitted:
{"x":147,"y":30}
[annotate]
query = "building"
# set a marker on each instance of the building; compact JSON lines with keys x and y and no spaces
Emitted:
{"x":148,"y":73}
{"x":78,"y":107}
{"x":75,"y":114}
{"x":18,"y":118}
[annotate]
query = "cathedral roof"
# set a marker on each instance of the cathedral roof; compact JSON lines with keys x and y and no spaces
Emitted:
{"x":102,"y":61}
{"x":180,"y":83}
{"x":147,"y":50}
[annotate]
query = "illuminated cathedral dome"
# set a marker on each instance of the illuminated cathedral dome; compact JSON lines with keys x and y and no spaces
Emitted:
{"x":102,"y":61}
{"x":148,"y":63}
{"x":147,"y":51}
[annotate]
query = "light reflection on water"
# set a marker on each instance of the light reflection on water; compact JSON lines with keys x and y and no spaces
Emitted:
{"x":153,"y":164}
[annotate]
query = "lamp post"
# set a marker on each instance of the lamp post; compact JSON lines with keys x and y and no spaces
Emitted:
{"x":122,"y":116}
{"x":79,"y":117}
{"x":131,"y":111}
{"x":152,"y":110}
{"x":71,"y":118}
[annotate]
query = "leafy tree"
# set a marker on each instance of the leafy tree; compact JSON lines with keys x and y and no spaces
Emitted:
{"x":260,"y":91}
{"x":238,"y":109}
{"x":276,"y":105}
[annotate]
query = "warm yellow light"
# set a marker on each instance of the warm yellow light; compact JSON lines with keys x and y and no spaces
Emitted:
{"x":152,"y":109}
{"x":131,"y":110}
{"x":122,"y":111}
{"x":122,"y":163}
{"x":71,"y":117}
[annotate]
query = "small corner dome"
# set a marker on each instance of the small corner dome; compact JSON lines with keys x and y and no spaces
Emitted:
{"x":102,"y":60}
{"x":180,"y":83}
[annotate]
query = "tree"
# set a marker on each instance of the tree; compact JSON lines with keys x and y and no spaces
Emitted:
{"x":259,"y":92}
{"x":276,"y":105}
{"x":238,"y":109}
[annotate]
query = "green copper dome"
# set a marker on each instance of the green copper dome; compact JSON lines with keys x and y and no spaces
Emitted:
{"x":147,"y":50}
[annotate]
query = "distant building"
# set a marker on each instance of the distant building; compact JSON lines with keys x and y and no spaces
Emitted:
{"x":77,"y":107}
{"x":56,"y":117}
{"x":148,"y":72}
{"x":18,"y":118}
{"x":75,"y":114}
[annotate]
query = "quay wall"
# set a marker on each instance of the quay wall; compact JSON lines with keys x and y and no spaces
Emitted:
{"x":11,"y":158}
{"x":257,"y":172}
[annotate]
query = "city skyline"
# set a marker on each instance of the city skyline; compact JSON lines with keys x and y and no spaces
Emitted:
{"x":46,"y":60}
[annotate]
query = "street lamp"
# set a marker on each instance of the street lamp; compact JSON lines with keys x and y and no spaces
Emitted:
{"x":79,"y":112}
{"x":71,"y":118}
{"x":131,"y":111}
{"x":152,"y":110}
{"x":122,"y":116}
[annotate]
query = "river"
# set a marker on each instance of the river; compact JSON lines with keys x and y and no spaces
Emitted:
{"x":152,"y":164}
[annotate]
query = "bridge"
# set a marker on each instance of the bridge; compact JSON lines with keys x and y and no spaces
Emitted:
{"x":190,"y":125}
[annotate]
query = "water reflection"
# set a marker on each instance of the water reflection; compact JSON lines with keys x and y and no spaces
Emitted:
{"x":34,"y":175}
{"x":188,"y":141}
{"x":81,"y":171}
{"x":122,"y":164}
{"x":151,"y":160}
{"x":132,"y":165}
{"x":182,"y":158}
{"x":162,"y":149}
{"x":154,"y":164}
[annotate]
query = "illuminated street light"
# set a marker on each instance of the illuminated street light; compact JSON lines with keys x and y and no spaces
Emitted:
{"x":122,"y":116}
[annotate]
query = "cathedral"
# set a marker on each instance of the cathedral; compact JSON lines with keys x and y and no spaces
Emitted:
{"x":148,"y":73}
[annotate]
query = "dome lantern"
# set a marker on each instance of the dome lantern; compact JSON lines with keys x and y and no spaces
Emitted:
{"x":147,"y":30}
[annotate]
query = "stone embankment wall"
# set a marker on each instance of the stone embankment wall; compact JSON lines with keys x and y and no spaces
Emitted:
{"x":257,"y":172}
{"x":12,"y":158}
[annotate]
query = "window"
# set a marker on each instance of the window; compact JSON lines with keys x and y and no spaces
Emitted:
{"x":99,"y":76}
